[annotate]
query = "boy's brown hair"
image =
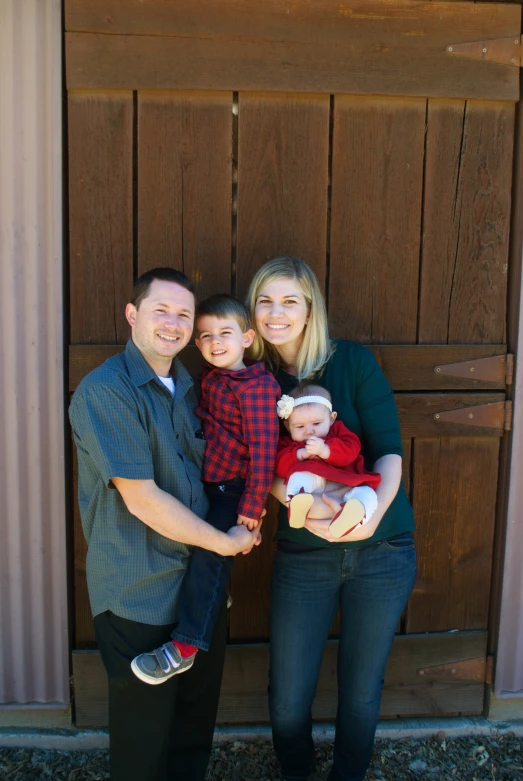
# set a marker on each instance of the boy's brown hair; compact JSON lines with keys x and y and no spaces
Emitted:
{"x":223,"y":305}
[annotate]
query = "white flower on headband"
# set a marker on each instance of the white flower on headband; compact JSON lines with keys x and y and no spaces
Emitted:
{"x":285,"y":406}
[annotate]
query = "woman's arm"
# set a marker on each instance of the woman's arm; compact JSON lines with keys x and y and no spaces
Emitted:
{"x":324,"y":507}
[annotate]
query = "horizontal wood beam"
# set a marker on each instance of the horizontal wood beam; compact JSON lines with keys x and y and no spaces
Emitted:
{"x":242,"y":17}
{"x":244,"y":689}
{"x":407,"y":367}
{"x":372,"y":47}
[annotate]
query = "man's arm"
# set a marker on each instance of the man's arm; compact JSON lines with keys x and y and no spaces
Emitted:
{"x":172,"y":519}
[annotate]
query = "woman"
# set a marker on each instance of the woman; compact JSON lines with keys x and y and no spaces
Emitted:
{"x":369,"y":573}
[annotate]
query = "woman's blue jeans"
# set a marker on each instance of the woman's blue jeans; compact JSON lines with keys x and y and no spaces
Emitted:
{"x":371,"y":585}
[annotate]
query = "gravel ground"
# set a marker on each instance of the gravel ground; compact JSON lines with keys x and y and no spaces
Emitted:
{"x":435,"y":759}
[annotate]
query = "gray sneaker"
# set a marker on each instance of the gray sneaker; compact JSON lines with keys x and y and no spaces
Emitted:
{"x":158,"y":666}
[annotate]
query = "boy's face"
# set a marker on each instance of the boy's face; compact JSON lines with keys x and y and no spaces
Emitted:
{"x":309,"y":420}
{"x":222,"y":342}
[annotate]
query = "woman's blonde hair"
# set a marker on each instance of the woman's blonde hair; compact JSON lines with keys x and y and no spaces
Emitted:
{"x":316,"y":349}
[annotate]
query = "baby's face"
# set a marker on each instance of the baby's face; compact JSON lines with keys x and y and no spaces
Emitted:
{"x":309,"y":420}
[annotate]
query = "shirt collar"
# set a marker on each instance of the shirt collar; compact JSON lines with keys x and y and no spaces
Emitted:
{"x":250,"y":371}
{"x":141,"y":373}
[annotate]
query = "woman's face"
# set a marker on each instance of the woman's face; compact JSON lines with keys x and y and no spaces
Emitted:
{"x":281,"y":312}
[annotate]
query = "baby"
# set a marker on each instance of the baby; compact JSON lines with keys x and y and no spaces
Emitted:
{"x":319,"y":449}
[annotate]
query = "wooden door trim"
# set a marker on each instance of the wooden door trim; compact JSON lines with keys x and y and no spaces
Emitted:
{"x":407,"y":367}
{"x":244,"y":688}
{"x":259,"y":45}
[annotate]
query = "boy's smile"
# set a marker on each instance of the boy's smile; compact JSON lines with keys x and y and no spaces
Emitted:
{"x":222,"y":341}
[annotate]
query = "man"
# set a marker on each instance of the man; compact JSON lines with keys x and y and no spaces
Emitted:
{"x":140,"y":452}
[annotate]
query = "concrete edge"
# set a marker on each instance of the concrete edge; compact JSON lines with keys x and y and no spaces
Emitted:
{"x":418,"y":729}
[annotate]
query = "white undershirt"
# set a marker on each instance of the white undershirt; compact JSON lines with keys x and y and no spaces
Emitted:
{"x":169,"y":384}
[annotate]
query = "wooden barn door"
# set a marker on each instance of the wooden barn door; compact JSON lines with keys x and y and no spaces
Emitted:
{"x":211,"y":136}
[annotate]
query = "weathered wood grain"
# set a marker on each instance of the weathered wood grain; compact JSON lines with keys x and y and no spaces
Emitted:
{"x":100,"y":215}
{"x":244,"y":689}
{"x":377,"y":176}
{"x":282,"y":181}
{"x":454,"y":499}
{"x":241,"y":17}
{"x":371,"y":47}
{"x":407,"y":367}
{"x":184,"y":186}
{"x":251,"y":585}
{"x":466,"y":222}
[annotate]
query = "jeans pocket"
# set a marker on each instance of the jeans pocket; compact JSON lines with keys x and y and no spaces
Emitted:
{"x":402,"y":542}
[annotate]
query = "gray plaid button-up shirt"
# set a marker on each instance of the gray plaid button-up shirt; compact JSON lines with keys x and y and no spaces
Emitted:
{"x":127,"y":424}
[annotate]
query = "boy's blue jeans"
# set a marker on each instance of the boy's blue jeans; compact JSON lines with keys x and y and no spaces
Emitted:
{"x":205,"y":581}
{"x":371,"y":585}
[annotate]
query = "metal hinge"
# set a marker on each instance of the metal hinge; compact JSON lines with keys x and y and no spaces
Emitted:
{"x":506,"y":51}
{"x":497,"y":414}
{"x":498,"y":368}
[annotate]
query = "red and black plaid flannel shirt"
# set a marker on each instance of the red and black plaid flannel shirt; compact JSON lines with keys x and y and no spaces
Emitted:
{"x":241,"y":426}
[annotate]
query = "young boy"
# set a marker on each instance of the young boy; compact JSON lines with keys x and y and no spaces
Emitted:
{"x":240,"y":426}
{"x":318,"y":449}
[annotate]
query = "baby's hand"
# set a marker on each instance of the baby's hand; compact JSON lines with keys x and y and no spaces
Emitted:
{"x":301,"y":454}
{"x":250,"y":523}
{"x":315,"y":446}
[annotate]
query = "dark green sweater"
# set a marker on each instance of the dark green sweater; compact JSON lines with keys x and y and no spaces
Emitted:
{"x":364,"y":401}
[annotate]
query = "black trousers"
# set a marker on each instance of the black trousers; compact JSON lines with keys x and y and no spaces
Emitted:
{"x":163,"y":732}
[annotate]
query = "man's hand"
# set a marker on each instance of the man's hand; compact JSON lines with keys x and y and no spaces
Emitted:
{"x":315,"y":446}
{"x":241,"y":540}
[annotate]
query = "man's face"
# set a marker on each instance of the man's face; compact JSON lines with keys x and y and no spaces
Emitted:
{"x":163,"y":323}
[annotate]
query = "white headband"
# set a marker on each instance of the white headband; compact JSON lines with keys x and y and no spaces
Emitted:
{"x":286,"y":404}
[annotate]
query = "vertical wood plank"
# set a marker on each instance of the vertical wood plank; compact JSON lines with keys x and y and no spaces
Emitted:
{"x":377,"y":175}
{"x":184,"y":185}
{"x":251,"y":585}
{"x":466,"y":222}
{"x":100,"y":215}
{"x":282,"y":181}
{"x":406,"y":464}
{"x":454,"y":498}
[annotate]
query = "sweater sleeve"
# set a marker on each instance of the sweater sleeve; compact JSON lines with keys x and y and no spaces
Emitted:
{"x":344,"y":446}
{"x":286,"y":458}
{"x":374,"y":401}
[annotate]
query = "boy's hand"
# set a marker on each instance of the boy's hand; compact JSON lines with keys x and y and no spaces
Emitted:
{"x":250,"y":523}
{"x":315,"y":446}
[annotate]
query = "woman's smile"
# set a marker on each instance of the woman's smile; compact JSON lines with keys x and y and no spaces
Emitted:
{"x":281,"y":313}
